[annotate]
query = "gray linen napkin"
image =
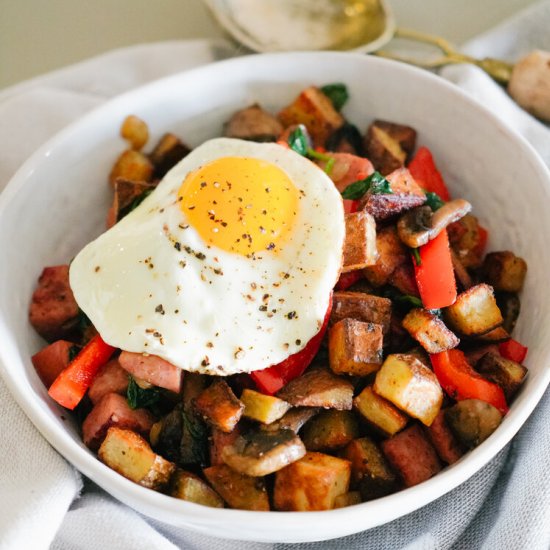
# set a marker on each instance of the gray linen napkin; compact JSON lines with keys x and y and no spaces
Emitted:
{"x":505,"y":505}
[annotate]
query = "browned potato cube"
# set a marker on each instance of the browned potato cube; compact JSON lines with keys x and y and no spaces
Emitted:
{"x":355,"y":347}
{"x":403,"y":279}
{"x":406,"y":194}
{"x":506,"y":373}
{"x":261,"y":407}
{"x":379,"y":412}
{"x":238,"y":490}
{"x":495,"y":336}
{"x":429,"y":331}
{"x":412,"y":455}
{"x":360,"y":245}
{"x":218,"y":441}
{"x":131,"y":165}
{"x":505,"y":271}
{"x":330,"y":430}
{"x":410,"y":386}
{"x":370,"y":470}
{"x":347,"y":499}
{"x":318,"y":388}
{"x":474,"y":312}
{"x":130,"y":455}
{"x":311,"y":483}
{"x":466,"y":241}
{"x":315,"y":111}
{"x":253,"y":123}
{"x":388,"y":145}
{"x":391,"y":254}
{"x":218,"y":406}
{"x":167,"y":153}
{"x":188,"y":486}
{"x":363,"y":307}
{"x":128,"y":194}
{"x":135,"y":132}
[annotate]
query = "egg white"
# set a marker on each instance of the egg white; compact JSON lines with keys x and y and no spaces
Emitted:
{"x":151,"y":284}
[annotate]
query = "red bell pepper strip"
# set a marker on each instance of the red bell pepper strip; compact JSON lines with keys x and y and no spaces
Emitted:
{"x":348,"y":279}
{"x":460,"y":381}
{"x":435,"y":275}
{"x":272,"y":379}
{"x":425,"y":172}
{"x":513,"y":350}
{"x":71,"y":385}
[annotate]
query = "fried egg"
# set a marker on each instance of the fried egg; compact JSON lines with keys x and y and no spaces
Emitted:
{"x":227,"y":267}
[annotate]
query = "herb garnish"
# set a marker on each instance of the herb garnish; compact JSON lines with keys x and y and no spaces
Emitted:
{"x":299,"y":143}
{"x":376,"y":183}
{"x":337,"y":93}
{"x":134,"y":204}
{"x":434,"y":201}
{"x":416,"y":256}
{"x":138,"y":398}
{"x":194,"y":436}
{"x":406,"y":300}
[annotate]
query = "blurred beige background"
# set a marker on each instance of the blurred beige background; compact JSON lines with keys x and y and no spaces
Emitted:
{"x":37,"y":36}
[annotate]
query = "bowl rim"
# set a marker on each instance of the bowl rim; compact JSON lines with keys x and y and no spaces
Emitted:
{"x":370,"y":514}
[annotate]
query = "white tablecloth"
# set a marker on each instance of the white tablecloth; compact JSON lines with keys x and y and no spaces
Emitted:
{"x":44,"y":501}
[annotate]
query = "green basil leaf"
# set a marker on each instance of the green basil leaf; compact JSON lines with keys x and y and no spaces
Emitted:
{"x":138,"y":398}
{"x":337,"y":93}
{"x":416,"y":255}
{"x":297,"y":141}
{"x":376,"y":183}
{"x":379,"y":185}
{"x":407,"y":299}
{"x":434,"y":201}
{"x":134,"y":204}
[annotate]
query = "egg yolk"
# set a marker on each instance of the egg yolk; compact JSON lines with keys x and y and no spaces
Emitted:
{"x":239,"y":204}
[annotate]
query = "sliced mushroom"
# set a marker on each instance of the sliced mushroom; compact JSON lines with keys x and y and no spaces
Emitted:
{"x":420,"y":225}
{"x":293,"y":420}
{"x":259,"y":453}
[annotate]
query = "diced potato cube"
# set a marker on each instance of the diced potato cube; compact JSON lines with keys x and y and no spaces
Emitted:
{"x":130,"y":455}
{"x":380,"y":412}
{"x":315,"y":111}
{"x":406,"y":194}
{"x":347,"y":499}
{"x":238,"y":490}
{"x":355,"y":347}
{"x":311,"y":483}
{"x":253,"y":123}
{"x":360,"y":245}
{"x":188,"y":486}
{"x":506,"y":373}
{"x":412,"y":455}
{"x":429,"y":331}
{"x":131,"y":165}
{"x":363,"y":307}
{"x":495,"y":336}
{"x":318,"y":388}
{"x":261,"y":407}
{"x":391,"y":254}
{"x":474,"y":312}
{"x":505,"y":271}
{"x":218,"y":406}
{"x":410,"y":386}
{"x":218,"y":441}
{"x":167,"y":153}
{"x":128,"y":193}
{"x":370,"y":470}
{"x":330,"y":430}
{"x":465,"y":239}
{"x":388,"y":144}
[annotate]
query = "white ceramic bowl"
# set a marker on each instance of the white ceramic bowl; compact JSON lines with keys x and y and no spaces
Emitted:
{"x":57,"y":202}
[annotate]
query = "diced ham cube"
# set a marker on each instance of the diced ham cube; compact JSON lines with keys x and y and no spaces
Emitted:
{"x":412,"y":455}
{"x":152,"y":369}
{"x":54,"y":311}
{"x":51,"y":360}
{"x":113,"y":410}
{"x":443,"y":440}
{"x":111,"y":378}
